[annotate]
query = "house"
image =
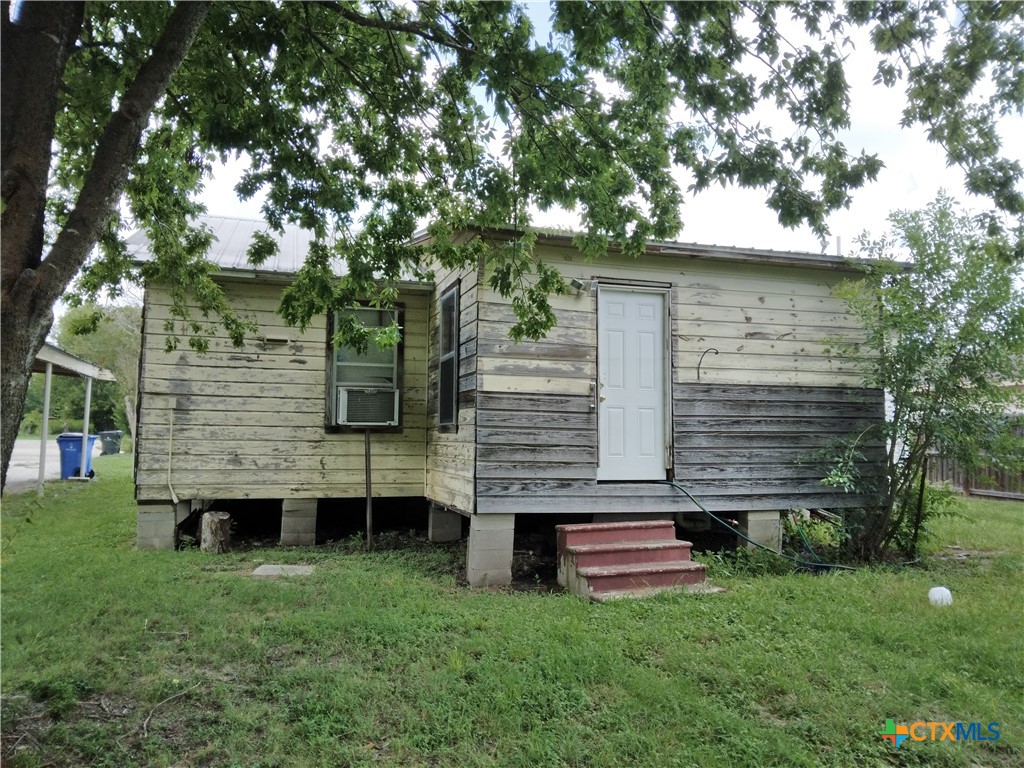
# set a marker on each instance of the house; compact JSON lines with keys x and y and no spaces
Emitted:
{"x":701,"y":364}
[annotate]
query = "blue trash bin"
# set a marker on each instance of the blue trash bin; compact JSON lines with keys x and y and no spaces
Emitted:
{"x":70,"y":444}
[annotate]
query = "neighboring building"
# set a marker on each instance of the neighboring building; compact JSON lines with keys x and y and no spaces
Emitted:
{"x":706,"y":365}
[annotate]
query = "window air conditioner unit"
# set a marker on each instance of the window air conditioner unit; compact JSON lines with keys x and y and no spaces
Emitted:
{"x":367,"y":407}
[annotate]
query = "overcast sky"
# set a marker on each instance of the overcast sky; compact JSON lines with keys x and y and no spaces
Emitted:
{"x":915,"y":170}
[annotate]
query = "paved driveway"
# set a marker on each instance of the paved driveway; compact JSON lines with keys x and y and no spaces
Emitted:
{"x":23,"y":471}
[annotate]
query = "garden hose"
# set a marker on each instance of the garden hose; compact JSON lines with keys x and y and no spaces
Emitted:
{"x":806,"y":542}
{"x":746,"y":538}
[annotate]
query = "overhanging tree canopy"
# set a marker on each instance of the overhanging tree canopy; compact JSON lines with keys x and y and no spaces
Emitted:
{"x":362,"y":119}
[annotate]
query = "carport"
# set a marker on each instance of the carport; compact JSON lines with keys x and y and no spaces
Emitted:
{"x":51,"y":361}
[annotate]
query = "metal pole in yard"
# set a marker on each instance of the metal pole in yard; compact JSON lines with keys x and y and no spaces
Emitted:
{"x":85,"y":427}
{"x":45,"y":427}
{"x":369,"y":494}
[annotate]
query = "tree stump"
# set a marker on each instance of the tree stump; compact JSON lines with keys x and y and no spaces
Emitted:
{"x":215,"y":535}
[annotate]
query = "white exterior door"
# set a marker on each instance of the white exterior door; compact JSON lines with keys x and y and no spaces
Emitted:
{"x":631,"y":384}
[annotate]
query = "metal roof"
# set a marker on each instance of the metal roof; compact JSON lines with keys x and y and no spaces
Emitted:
{"x":232,"y":237}
{"x":231,"y":240}
{"x":65,"y":364}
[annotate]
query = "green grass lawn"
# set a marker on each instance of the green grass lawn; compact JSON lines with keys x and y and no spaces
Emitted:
{"x":113,"y":657}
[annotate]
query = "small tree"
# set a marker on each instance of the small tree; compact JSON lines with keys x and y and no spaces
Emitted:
{"x":110,"y":337}
{"x":945,"y":340}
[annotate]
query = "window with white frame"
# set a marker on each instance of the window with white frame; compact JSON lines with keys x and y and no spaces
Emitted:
{"x":366,"y":384}
{"x":448,"y":360}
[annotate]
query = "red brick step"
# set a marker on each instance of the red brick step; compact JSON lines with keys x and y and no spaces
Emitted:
{"x":603,"y":561}
{"x":625,"y":552}
{"x":609,"y":533}
{"x":600,"y":580}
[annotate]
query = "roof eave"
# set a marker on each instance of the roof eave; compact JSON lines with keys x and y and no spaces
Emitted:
{"x":285,"y":278}
{"x":65,"y":364}
{"x":698,"y":251}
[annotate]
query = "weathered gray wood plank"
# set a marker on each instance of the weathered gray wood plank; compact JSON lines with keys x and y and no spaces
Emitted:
{"x":536,"y":469}
{"x":754,"y":472}
{"x":696,"y":441}
{"x":810,"y":409}
{"x":186,"y":461}
{"x":750,"y":456}
{"x":274,"y":490}
{"x":270,"y":437}
{"x":639,"y":504}
{"x":539,"y":350}
{"x":569,"y":454}
{"x":789,"y":425}
{"x":502,"y":313}
{"x":539,"y":420}
{"x":743,"y":392}
{"x":507,"y":401}
{"x":526,"y":436}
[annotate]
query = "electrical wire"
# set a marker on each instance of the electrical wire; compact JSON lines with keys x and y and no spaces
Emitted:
{"x":757,"y":544}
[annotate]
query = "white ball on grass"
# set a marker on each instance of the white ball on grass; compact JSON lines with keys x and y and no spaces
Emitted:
{"x":940,"y":596}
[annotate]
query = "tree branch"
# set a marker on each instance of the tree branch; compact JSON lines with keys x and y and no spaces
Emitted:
{"x":118,"y":147}
{"x":419,"y":30}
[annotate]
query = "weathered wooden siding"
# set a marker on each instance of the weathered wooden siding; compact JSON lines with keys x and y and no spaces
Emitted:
{"x":537,"y":425}
{"x":451,"y":454}
{"x":761,"y":447}
{"x":249,"y":422}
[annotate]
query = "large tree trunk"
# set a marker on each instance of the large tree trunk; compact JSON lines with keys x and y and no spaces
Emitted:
{"x":35,"y":53}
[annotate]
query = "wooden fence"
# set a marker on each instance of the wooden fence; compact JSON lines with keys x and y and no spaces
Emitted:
{"x":987,"y":481}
